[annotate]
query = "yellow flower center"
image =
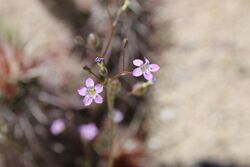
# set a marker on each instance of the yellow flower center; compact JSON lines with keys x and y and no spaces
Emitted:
{"x":144,"y":68}
{"x":92,"y":91}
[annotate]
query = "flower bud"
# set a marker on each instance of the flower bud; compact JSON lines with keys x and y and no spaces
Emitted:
{"x":103,"y":71}
{"x":139,"y":89}
{"x":115,"y":87}
{"x":93,"y":41}
{"x":125,"y":5}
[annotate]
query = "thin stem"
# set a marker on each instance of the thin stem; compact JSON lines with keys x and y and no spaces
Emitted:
{"x":110,"y":101}
{"x":124,"y":46}
{"x":113,"y":26}
{"x":86,"y":68}
{"x":123,"y":73}
{"x":94,"y":75}
{"x":109,"y":42}
{"x":87,"y":160}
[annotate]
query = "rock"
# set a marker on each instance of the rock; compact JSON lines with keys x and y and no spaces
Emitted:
{"x":205,"y":77}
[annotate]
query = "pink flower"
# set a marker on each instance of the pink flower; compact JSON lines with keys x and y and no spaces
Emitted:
{"x":91,"y":92}
{"x":57,"y":126}
{"x":145,"y":69}
{"x":118,"y":116}
{"x":88,"y":131}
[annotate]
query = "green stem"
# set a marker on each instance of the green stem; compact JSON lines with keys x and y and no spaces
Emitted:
{"x":110,"y":101}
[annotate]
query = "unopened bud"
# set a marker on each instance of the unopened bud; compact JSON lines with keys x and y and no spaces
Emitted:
{"x":139,"y":89}
{"x":115,"y":87}
{"x":103,"y":71}
{"x":125,"y":43}
{"x":125,"y":5}
{"x":86,"y":68}
{"x":93,"y":41}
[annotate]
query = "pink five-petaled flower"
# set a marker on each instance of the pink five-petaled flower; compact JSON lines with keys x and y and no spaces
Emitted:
{"x":88,"y":131}
{"x":91,"y":92}
{"x":145,"y":69}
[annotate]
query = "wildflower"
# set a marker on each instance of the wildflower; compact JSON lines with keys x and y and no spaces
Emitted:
{"x":57,"y":126}
{"x":88,"y":131}
{"x":145,"y":69}
{"x":91,"y":92}
{"x":118,"y":116}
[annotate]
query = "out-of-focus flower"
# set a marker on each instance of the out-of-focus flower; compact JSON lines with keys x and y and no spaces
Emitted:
{"x":57,"y":126}
{"x":91,"y":92}
{"x":145,"y":69}
{"x":88,"y":131}
{"x":118,"y":116}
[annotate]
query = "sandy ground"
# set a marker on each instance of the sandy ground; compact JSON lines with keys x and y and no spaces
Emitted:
{"x":201,"y":104}
{"x":37,"y":27}
{"x":43,"y":35}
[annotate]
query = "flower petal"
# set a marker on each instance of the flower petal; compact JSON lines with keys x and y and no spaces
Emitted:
{"x":87,"y":100}
{"x":148,"y":76}
{"x":82,"y":91}
{"x":90,"y":82}
{"x":154,"y":67}
{"x":146,"y":60}
{"x":138,"y":62}
{"x":99,"y":88}
{"x":98,"y":99}
{"x":137,"y":72}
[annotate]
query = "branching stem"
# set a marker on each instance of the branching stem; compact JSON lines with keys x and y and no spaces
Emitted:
{"x":113,"y":26}
{"x":123,"y":73}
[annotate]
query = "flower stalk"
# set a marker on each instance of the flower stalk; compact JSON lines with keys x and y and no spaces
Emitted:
{"x":110,"y":101}
{"x":86,"y":68}
{"x":114,"y":24}
{"x":91,"y":92}
{"x":124,"y":46}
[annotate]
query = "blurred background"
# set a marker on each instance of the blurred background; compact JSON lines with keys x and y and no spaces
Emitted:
{"x":197,"y":113}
